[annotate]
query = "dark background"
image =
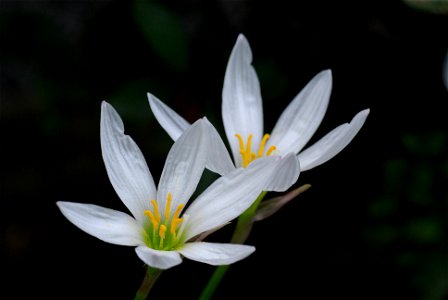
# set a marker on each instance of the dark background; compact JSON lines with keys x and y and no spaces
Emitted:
{"x":374,"y":224}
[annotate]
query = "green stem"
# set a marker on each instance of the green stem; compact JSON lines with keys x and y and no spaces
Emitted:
{"x":150,"y":278}
{"x":240,"y":235}
{"x":214,"y":281}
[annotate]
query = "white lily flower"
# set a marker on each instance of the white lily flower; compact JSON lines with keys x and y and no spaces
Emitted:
{"x":161,"y":227}
{"x":242,"y":115}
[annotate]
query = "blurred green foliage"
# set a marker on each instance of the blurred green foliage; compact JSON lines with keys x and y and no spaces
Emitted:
{"x":411,"y":213}
{"x":164,"y":32}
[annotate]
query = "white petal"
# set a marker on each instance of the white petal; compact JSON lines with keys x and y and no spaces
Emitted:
{"x":242,"y":110}
{"x":158,"y":259}
{"x":285,"y":175}
{"x":125,"y":164}
{"x":215,"y":253}
{"x":229,"y":196}
{"x":172,"y":122}
{"x":300,"y":120}
{"x":108,"y":225}
{"x":184,"y":166}
{"x":219,"y":160}
{"x":331,"y":144}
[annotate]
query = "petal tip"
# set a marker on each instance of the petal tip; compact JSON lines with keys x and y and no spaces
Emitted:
{"x":326,"y":74}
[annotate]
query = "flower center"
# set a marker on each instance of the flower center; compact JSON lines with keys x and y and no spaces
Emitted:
{"x":164,"y":231}
{"x":246,"y":152}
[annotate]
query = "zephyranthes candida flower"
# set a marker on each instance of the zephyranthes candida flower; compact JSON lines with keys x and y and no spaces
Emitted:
{"x":242,"y":115}
{"x":163,"y":227}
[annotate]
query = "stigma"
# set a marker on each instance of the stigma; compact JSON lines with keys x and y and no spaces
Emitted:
{"x":164,"y":230}
{"x":247,"y":155}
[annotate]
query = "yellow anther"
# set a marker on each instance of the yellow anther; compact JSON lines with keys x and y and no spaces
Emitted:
{"x":263,"y":143}
{"x":241,"y":142}
{"x":248,"y":150}
{"x":270,"y":150}
{"x":156,"y":210}
{"x":162,"y":231}
{"x":168,"y":206}
{"x":151,"y":217}
{"x":162,"y":235}
{"x":176,"y":220}
{"x":247,"y":156}
{"x":174,"y":223}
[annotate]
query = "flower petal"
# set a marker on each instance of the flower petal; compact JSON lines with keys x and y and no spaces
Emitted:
{"x":285,"y":175}
{"x":331,"y":144}
{"x":215,"y":253}
{"x":229,"y":196}
{"x":157,"y":258}
{"x":172,"y":122}
{"x":242,"y":110}
{"x":125,"y":164}
{"x":108,"y":225}
{"x":219,"y":160}
{"x":184,"y":166}
{"x":300,"y":120}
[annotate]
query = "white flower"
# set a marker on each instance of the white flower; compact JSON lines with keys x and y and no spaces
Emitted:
{"x":242,"y":115}
{"x":161,"y":227}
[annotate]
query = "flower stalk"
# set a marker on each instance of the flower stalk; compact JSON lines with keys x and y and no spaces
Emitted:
{"x":151,"y":276}
{"x":240,"y":235}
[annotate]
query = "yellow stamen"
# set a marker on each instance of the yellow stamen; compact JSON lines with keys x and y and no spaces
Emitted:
{"x":176,"y":220}
{"x":162,"y":231}
{"x":151,"y":217}
{"x":245,"y":151}
{"x":241,"y":142}
{"x":247,"y":156}
{"x":168,"y":206}
{"x":156,"y":210}
{"x":263,"y":143}
{"x":162,"y":235}
{"x":270,"y":150}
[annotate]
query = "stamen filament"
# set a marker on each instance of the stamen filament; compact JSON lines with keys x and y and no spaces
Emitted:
{"x":263,"y":143}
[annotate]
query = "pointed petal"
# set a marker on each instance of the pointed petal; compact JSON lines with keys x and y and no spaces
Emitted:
{"x":184,"y":166}
{"x":286,"y":173}
{"x":331,"y":144}
{"x":242,"y":110}
{"x":125,"y":164}
{"x":172,"y":122}
{"x":231,"y":195}
{"x":158,"y":259}
{"x":269,"y":207}
{"x":215,"y":253}
{"x":300,"y":120}
{"x":219,"y":160}
{"x":108,"y":225}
